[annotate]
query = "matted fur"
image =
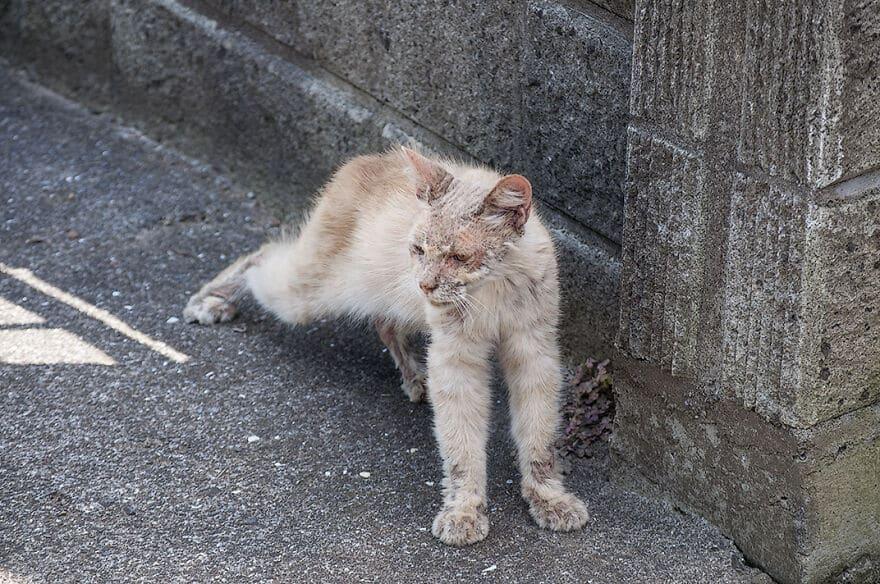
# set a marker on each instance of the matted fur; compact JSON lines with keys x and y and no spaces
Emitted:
{"x":456,"y":251}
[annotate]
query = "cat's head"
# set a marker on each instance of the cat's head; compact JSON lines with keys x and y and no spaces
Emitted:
{"x":467,"y":230}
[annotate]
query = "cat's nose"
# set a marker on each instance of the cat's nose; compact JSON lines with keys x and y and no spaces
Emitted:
{"x":427,"y":287}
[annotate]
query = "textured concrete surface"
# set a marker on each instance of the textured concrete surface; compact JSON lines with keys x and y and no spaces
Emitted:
{"x":801,"y":106}
{"x":514,"y":83}
{"x":813,"y":119}
{"x":251,"y":111}
{"x":803,"y":503}
{"x":575,"y":112}
{"x":748,"y":284}
{"x":149,"y":471}
{"x":68,"y":42}
{"x":658,"y":319}
{"x":452,"y":67}
{"x":763,"y":297}
{"x":840,"y":352}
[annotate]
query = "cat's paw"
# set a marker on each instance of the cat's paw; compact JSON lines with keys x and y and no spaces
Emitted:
{"x":560,"y":511}
{"x":415,"y":389}
{"x":460,"y":526}
{"x":209,"y":310}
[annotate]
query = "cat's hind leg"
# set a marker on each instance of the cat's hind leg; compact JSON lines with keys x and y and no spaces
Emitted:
{"x":412,"y":372}
{"x":216,"y":301}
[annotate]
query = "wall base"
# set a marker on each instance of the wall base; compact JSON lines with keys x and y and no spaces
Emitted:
{"x":804,"y":504}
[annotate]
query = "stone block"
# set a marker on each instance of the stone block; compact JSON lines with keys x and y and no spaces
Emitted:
{"x":451,"y":67}
{"x":761,"y":314}
{"x":589,"y":279}
{"x":576,"y":69}
{"x":860,"y":99}
{"x":514,"y":84}
{"x":787,"y":125}
{"x":793,"y":85}
{"x":673,"y":66}
{"x":803,"y":504}
{"x":68,"y":43}
{"x":253,"y":112}
{"x":801,"y":329}
{"x":811,"y":116}
{"x":840,"y":352}
{"x":842,"y":487}
{"x":663,"y":254}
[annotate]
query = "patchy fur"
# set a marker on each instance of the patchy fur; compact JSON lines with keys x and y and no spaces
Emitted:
{"x":544,"y":470}
{"x":559,"y":512}
{"x":422,"y":244}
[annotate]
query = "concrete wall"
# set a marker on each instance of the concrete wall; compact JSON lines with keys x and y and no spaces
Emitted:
{"x":278,"y":93}
{"x":749,"y":369}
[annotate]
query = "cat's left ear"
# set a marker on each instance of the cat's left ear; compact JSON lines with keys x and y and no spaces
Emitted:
{"x":509,"y":202}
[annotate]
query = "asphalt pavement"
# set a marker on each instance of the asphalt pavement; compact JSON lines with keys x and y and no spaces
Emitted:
{"x":268,"y":453}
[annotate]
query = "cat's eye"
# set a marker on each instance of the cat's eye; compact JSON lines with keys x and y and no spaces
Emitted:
{"x":417,"y":250}
{"x":461,"y":258}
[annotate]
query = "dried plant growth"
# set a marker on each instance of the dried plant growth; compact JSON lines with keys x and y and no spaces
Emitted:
{"x":588,"y":413}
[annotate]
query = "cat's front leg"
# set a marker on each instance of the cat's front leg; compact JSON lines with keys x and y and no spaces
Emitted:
{"x":530,"y":360}
{"x":458,"y":387}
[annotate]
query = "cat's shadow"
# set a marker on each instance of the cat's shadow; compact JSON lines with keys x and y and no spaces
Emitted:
{"x":343,"y":352}
{"x":348,"y":354}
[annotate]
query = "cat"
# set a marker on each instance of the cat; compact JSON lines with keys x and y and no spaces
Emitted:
{"x":426,"y":244}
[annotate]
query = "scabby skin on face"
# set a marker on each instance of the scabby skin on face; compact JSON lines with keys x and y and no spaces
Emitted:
{"x":465,"y":234}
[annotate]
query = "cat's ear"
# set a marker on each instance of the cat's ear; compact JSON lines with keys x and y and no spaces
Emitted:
{"x":510,"y":202}
{"x":432,"y":179}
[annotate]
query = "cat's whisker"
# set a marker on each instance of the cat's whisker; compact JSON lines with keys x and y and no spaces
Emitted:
{"x":474,"y":300}
{"x":469,"y":306}
{"x":461,"y":305}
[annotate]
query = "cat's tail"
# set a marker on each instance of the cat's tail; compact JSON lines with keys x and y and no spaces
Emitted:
{"x":281,"y":282}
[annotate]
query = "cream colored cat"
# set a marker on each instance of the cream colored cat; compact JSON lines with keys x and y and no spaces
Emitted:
{"x":418,"y":244}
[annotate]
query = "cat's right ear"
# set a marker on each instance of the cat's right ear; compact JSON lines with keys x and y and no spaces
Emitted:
{"x":432,"y":179}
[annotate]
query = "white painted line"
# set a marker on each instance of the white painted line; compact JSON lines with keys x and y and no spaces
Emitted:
{"x":48,"y":346}
{"x":93,"y":311}
{"x":12,"y":314}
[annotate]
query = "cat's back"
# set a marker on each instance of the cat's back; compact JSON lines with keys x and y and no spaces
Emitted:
{"x":355,"y":198}
{"x":368,"y":180}
{"x":358,"y":234}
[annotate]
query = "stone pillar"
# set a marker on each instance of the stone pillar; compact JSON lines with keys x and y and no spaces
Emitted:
{"x":748,"y":373}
